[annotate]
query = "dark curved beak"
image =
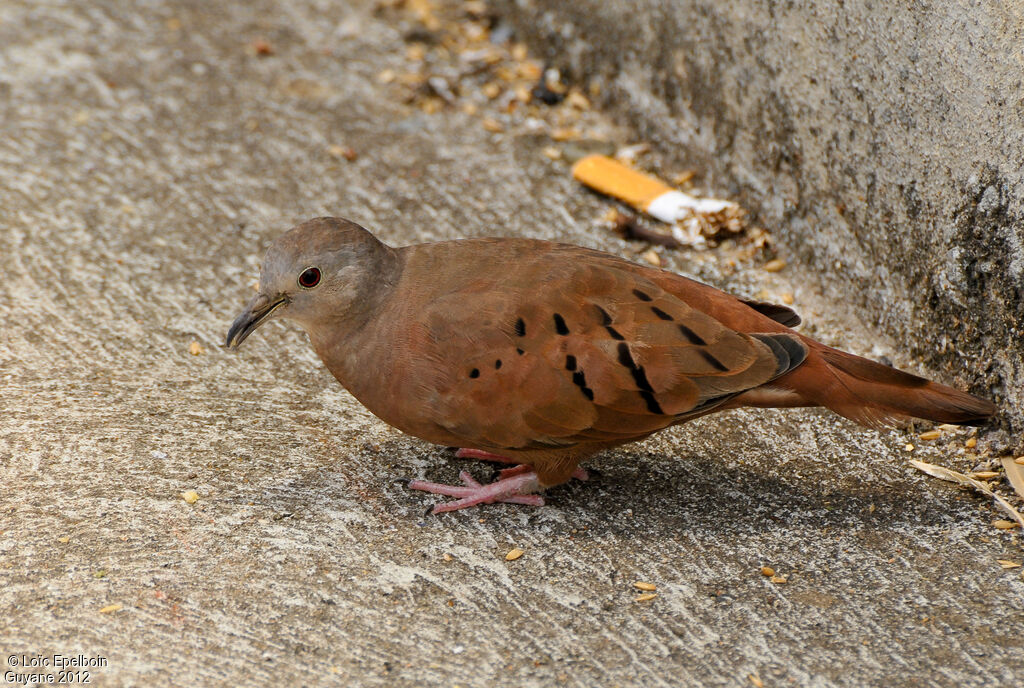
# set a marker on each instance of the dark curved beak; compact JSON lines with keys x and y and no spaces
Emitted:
{"x":256,"y":312}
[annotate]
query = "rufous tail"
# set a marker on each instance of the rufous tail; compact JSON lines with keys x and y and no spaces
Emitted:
{"x":874,"y":394}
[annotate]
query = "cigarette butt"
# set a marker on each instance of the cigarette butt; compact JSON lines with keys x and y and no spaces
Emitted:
{"x":644,"y":192}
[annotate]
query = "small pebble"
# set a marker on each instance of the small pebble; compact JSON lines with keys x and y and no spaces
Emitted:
{"x":908,"y":447}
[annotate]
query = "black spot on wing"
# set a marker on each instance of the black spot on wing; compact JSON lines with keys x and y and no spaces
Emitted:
{"x":560,"y":326}
{"x":614,"y":333}
{"x":520,"y":328}
{"x":642,"y":295}
{"x":660,"y":313}
{"x":640,"y":378}
{"x":570,"y":362}
{"x":605,"y":318}
{"x":691,"y":336}
{"x":580,"y":380}
{"x":715,"y":363}
{"x":474,"y":373}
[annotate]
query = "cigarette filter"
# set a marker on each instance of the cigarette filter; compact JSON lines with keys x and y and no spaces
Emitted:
{"x":645,"y":193}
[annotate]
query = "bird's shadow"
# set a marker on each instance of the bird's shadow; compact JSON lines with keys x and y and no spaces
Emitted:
{"x":634,"y":491}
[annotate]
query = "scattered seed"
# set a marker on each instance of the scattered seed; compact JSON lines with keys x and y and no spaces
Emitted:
{"x":64,"y":539}
{"x":949,"y":427}
{"x":261,"y":47}
{"x":190,"y":496}
{"x":774,"y":265}
{"x":985,"y":475}
{"x":1007,"y":564}
{"x":651,"y":257}
{"x":683,"y":178}
{"x":387,"y":76}
{"x":1019,"y":460}
{"x":648,"y":587}
{"x":194,"y":348}
{"x":513,"y":554}
{"x":491,"y":90}
{"x":908,"y":447}
{"x":552,"y":152}
{"x":492,"y":125}
{"x":646,"y":596}
{"x":111,"y":608}
{"x":787,"y":298}
{"x":971,"y":443}
{"x":565,"y":134}
{"x":1003,"y":524}
{"x":756,"y":681}
{"x":930,"y":435}
{"x":577,"y":100}
{"x":778,"y":580}
{"x":767,"y":571}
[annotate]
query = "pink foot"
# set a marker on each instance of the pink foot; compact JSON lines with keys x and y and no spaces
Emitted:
{"x":514,"y":489}
{"x":579,"y":473}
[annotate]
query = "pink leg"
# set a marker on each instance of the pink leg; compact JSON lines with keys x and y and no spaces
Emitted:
{"x":514,"y":489}
{"x":579,"y":473}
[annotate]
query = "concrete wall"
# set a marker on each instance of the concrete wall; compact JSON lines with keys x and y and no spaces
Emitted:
{"x":883,"y":143}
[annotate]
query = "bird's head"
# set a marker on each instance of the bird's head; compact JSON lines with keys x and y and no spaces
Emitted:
{"x":316,"y":272}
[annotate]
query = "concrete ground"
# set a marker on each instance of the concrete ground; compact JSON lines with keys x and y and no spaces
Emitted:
{"x":148,"y":154}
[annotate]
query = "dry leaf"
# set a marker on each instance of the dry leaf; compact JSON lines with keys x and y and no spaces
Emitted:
{"x":1015,"y":474}
{"x":961,"y":479}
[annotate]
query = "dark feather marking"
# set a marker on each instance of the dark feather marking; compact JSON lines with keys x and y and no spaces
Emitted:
{"x":605,"y":318}
{"x":640,"y":377}
{"x":715,"y":363}
{"x":641,"y":295}
{"x":520,"y":328}
{"x":570,"y":362}
{"x":580,"y":380}
{"x":691,"y":336}
{"x":497,"y":364}
{"x":614,"y":333}
{"x":660,"y":313}
{"x":520,"y":352}
{"x":474,"y":373}
{"x":560,"y":326}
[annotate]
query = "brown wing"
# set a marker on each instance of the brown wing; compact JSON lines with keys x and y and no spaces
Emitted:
{"x":584,"y":351}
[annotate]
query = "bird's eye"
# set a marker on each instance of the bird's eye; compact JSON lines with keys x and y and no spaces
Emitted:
{"x":309,"y":278}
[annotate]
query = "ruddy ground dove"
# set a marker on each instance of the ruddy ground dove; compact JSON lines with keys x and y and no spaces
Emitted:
{"x":541,"y":354}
